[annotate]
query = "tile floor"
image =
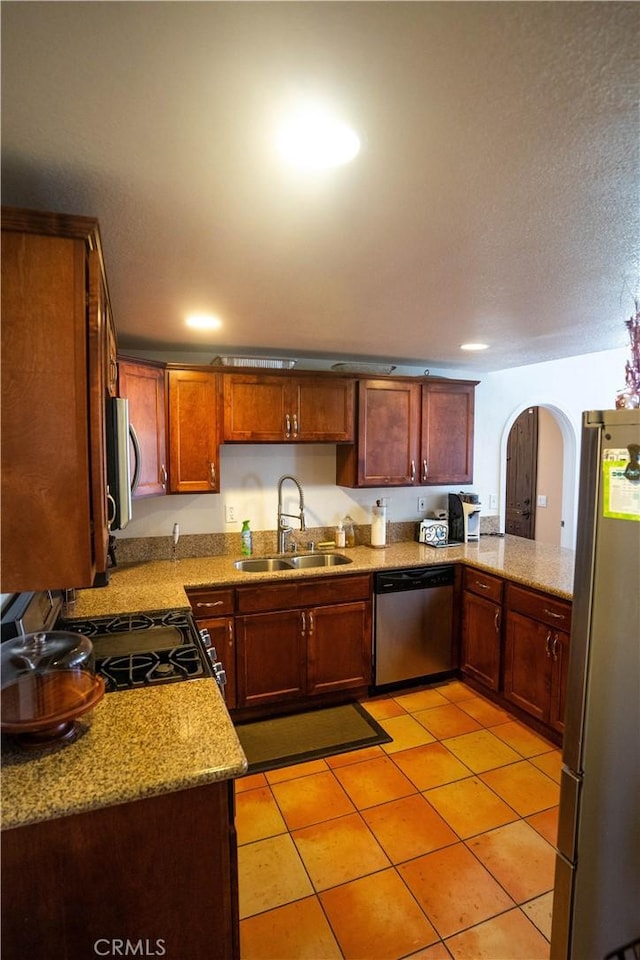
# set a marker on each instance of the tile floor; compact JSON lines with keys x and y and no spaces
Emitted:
{"x":436,"y":845}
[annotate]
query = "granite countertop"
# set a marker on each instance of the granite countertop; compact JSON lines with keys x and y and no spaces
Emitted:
{"x":160,"y":584}
{"x":134,"y":744}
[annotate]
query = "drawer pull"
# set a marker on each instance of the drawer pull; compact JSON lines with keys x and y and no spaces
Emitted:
{"x":483,"y":586}
{"x":212,"y":603}
{"x":555,"y":616}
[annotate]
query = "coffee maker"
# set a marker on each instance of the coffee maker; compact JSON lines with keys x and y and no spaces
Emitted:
{"x":464,"y":517}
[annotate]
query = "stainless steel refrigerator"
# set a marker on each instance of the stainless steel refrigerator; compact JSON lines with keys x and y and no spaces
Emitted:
{"x":597,"y":885}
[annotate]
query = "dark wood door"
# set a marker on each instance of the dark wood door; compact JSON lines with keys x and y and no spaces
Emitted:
{"x":559,"y":676}
{"x":339,"y":647}
{"x":447,"y":433}
{"x":388,"y":433}
{"x":271,"y":657}
{"x":481,"y":626}
{"x":325,"y":409}
{"x":255,"y":408}
{"x":143,"y":386}
{"x":527,"y":664}
{"x":522,"y":464}
{"x":193,"y":432}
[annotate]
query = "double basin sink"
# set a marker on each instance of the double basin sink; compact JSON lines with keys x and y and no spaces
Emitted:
{"x":300,"y":561}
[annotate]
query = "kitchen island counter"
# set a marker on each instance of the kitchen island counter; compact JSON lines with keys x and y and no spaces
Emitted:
{"x":160,"y":584}
{"x":135,"y":744}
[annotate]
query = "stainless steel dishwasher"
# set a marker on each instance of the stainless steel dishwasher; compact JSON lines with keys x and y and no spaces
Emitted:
{"x":413,"y":624}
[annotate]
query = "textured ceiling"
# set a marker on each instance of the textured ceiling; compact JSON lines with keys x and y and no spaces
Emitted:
{"x":496,"y":197}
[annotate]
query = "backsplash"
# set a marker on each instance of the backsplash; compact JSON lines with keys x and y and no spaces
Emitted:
{"x":137,"y":549}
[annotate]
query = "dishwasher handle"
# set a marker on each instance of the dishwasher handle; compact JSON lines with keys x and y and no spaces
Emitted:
{"x":414,"y":578}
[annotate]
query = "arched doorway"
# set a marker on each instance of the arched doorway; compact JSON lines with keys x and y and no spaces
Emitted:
{"x":554,"y":483}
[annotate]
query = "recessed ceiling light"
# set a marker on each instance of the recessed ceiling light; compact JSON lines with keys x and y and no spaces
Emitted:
{"x":474,"y":346}
{"x":203,"y":321}
{"x":312,"y":138}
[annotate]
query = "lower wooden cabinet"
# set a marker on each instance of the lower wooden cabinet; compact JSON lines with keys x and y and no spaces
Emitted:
{"x":482,"y":627}
{"x":213,"y":611}
{"x":160,"y":874}
{"x":536,"y":654}
{"x":297,"y":642}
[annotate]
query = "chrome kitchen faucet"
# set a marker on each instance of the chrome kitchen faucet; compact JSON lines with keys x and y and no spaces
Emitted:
{"x":283,"y":527}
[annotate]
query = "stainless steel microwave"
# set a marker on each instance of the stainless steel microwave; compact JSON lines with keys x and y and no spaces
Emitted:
{"x":120,"y":483}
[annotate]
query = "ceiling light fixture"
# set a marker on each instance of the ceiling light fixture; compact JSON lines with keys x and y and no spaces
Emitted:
{"x":203,"y":321}
{"x":312,"y":138}
{"x":474,"y":346}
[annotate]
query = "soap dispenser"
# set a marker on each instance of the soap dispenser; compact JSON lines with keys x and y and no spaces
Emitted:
{"x":245,"y":535}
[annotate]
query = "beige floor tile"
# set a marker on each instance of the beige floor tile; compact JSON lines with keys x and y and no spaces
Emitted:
{"x":406,"y":732}
{"x":455,"y":690}
{"x":546,"y":823}
{"x":447,"y":721}
{"x":383,"y":709}
{"x":523,"y":787}
{"x":296,"y":931}
{"x":296,"y":770}
{"x":540,"y":912}
{"x":431,"y":766}
{"x":270,"y":874}
{"x":505,"y":852}
{"x":408,"y":828}
{"x":257,"y":815}
{"x":340,"y":850}
{"x":377,"y":918}
{"x":454,"y":889}
{"x":308,"y":800}
{"x":521,"y":738}
{"x":484,"y":712}
{"x":549,"y":763}
{"x":354,"y":756}
{"x":420,"y":699}
{"x":481,"y":750}
{"x":250,"y":783}
{"x":508,"y":937}
{"x":470,"y":807}
{"x":374,"y":782}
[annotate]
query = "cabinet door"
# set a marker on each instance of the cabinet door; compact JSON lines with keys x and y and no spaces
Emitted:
{"x":560,"y":658}
{"x":143,"y":386}
{"x":447,"y":433}
{"x":256,"y":409}
{"x":271,"y":657}
{"x":527,"y":664}
{"x":338,"y":647}
{"x":193,"y":432}
{"x":386,"y":452}
{"x":481,"y":626}
{"x":323,"y":410}
{"x":54,"y":529}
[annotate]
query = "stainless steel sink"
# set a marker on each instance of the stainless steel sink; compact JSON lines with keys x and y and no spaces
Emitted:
{"x":262,"y":564}
{"x":300,"y":561}
{"x":305,"y":560}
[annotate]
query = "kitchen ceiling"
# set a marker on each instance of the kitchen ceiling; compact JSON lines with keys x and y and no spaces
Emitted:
{"x":495,"y":197}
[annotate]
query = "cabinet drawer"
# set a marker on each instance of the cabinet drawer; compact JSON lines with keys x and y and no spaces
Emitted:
{"x":540,"y":606}
{"x":208,"y":602}
{"x":302,"y":593}
{"x":477,"y":581}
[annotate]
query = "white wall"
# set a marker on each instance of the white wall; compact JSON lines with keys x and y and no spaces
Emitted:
{"x":549,"y":483}
{"x":249,"y":473}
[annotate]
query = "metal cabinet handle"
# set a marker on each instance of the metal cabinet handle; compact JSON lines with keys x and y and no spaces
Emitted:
{"x":163,"y":477}
{"x":483,"y":586}
{"x":553,"y":615}
{"x":212,"y":603}
{"x":295,"y":425}
{"x":425,"y":470}
{"x":413,"y":470}
{"x":547,"y":645}
{"x":554,"y":648}
{"x":212,"y":474}
{"x":287,"y":425}
{"x":310,"y":624}
{"x":304,"y":622}
{"x":230,"y":631}
{"x":496,"y":621}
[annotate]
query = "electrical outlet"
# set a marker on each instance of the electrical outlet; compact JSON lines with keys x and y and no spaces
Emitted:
{"x":422,"y":504}
{"x":493,"y":501}
{"x":229,"y":513}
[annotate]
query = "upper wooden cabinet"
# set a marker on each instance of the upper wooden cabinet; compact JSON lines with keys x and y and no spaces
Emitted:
{"x":142,"y":384}
{"x":55,"y":383}
{"x":194,"y":431}
{"x":446,"y":454}
{"x":262,"y":408}
{"x":410,"y":433}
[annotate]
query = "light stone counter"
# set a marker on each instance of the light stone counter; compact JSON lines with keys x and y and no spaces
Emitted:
{"x":134,"y":744}
{"x":160,"y":584}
